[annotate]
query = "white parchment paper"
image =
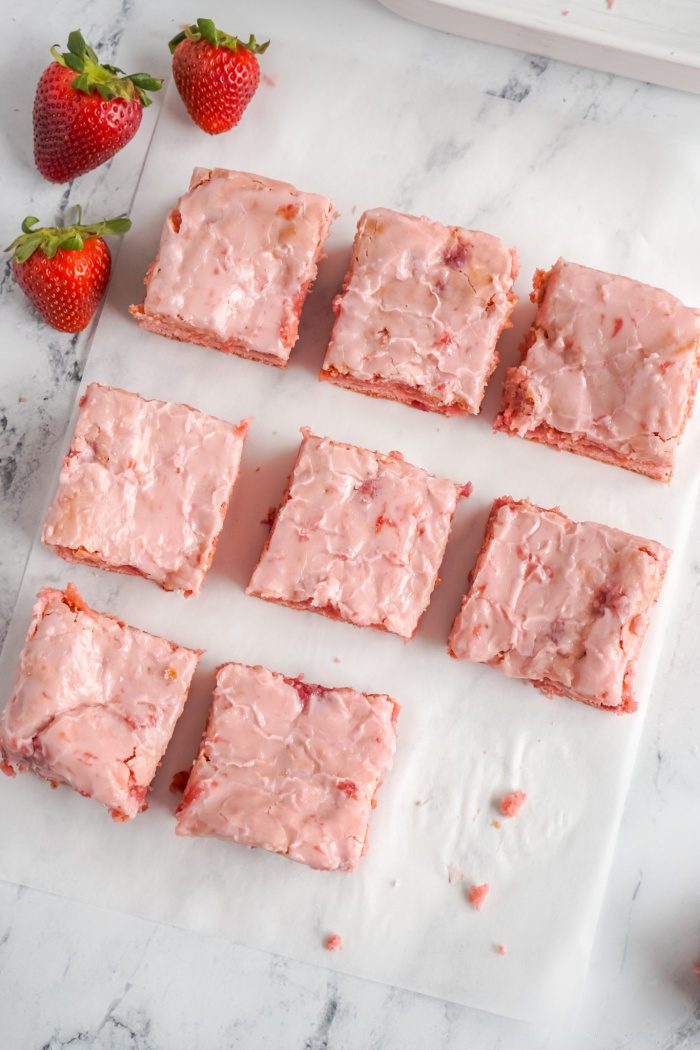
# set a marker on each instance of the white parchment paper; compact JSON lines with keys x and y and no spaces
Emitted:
{"x":466,"y":733}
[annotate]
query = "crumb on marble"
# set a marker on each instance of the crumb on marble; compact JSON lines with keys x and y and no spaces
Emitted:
{"x":334,"y":943}
{"x":501,"y":949}
{"x":511,"y":804}
{"x":495,"y":824}
{"x":476,"y":895}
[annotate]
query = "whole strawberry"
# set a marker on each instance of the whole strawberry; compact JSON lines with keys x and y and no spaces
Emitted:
{"x":84,"y":112}
{"x":64,"y":271}
{"x":215,"y":73}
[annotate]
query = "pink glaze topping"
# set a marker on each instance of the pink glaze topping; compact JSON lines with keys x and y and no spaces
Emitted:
{"x":94,"y":703}
{"x":613,"y":361}
{"x":423,"y":306}
{"x":360,"y":534}
{"x":236,"y":258}
{"x":289,"y":767}
{"x":145,"y":487}
{"x":511,"y":804}
{"x":562,"y":603}
{"x":476,"y":895}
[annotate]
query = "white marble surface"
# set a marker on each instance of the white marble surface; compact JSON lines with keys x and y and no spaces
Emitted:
{"x":72,"y":975}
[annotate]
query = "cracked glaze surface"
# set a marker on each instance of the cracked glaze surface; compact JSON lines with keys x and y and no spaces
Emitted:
{"x":562,"y":603}
{"x":360,"y":536}
{"x":94,"y":703}
{"x":237,"y":256}
{"x":421,"y":311}
{"x":612,"y":363}
{"x":145,"y":487}
{"x":290,"y":767}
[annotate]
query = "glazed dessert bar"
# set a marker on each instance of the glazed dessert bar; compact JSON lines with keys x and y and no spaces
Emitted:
{"x":144,"y":488}
{"x":290,"y":767}
{"x":420,"y":313}
{"x":94,"y":703}
{"x":564,"y":604}
{"x":237,"y":257}
{"x":609,"y":370}
{"x":359,"y":537}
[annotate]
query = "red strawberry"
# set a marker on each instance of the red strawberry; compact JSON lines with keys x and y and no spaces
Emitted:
{"x":64,"y":271}
{"x":82,"y":120}
{"x":216,"y":74}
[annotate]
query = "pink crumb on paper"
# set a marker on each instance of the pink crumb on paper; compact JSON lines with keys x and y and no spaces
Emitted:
{"x":610,"y":3}
{"x":334,"y":943}
{"x":501,"y":949}
{"x":179,"y":781}
{"x":495,"y":823}
{"x":22,"y":399}
{"x":510,"y":805}
{"x":565,"y":12}
{"x":476,"y":895}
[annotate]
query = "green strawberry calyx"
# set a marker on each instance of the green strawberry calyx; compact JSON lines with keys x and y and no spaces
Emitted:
{"x":52,"y":238}
{"x":204,"y":29}
{"x":108,"y":81}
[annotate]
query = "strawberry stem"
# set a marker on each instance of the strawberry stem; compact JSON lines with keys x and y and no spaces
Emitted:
{"x":108,"y":81}
{"x":204,"y":29}
{"x":52,"y":238}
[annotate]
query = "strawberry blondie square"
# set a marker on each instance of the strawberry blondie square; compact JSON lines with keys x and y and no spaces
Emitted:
{"x":609,"y":370}
{"x":94,"y":703}
{"x":144,"y":488}
{"x":237,"y":257}
{"x":420,"y":313}
{"x":564,"y":604}
{"x":359,"y":537}
{"x":290,"y":767}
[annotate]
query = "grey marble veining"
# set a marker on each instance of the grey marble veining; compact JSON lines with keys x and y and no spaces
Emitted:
{"x":75,"y":976}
